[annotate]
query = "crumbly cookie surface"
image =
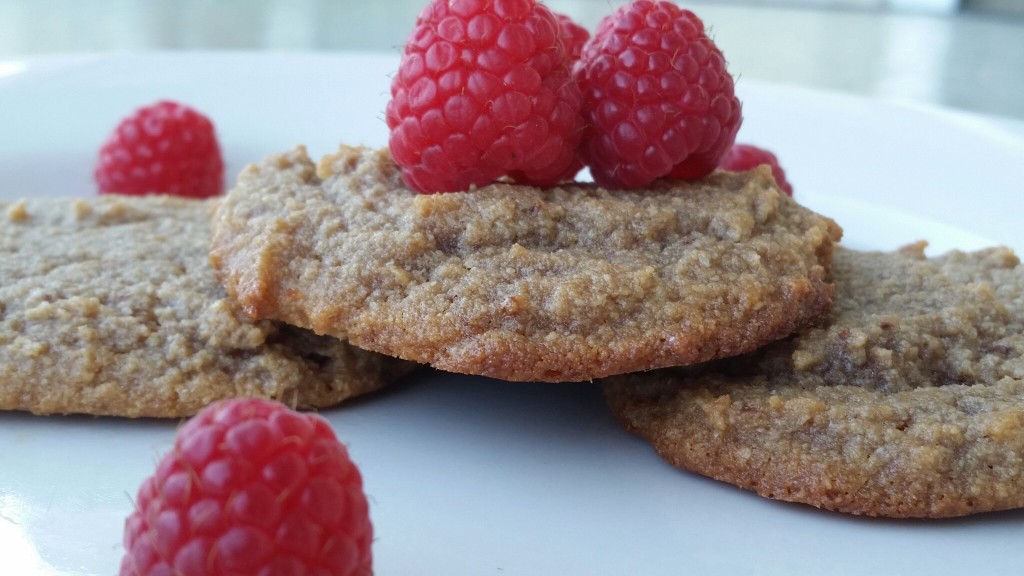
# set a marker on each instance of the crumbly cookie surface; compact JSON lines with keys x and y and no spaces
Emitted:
{"x":907,"y":402}
{"x":519,"y":283}
{"x":109,"y":306}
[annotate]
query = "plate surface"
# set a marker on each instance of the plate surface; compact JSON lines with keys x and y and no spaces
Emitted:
{"x":469,"y":476}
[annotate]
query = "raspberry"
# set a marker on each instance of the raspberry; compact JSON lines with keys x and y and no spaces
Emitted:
{"x":745,"y":156}
{"x":166,"y":148}
{"x":483,"y":91}
{"x":657,"y":98}
{"x":573,"y":36}
{"x":251,"y":487}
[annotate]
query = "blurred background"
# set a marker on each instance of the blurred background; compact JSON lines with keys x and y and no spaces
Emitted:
{"x":962,"y":54}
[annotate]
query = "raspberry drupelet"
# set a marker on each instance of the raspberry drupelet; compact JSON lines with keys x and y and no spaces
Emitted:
{"x":657,"y":97}
{"x":484,"y":91}
{"x":251,"y":487}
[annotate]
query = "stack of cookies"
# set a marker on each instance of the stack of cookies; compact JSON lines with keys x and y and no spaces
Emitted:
{"x":720,"y":316}
{"x":729,"y":329}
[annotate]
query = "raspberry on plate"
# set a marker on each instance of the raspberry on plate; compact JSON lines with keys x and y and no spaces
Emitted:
{"x":746,"y":156}
{"x":484,"y":91}
{"x":251,"y":487}
{"x":165,"y":148}
{"x":657,"y":98}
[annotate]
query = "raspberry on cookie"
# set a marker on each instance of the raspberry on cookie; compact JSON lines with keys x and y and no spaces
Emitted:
{"x":657,"y":98}
{"x":484,"y":91}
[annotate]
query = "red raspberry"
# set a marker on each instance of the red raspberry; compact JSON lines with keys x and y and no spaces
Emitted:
{"x":657,"y":98}
{"x":484,"y":90}
{"x":251,"y":487}
{"x":745,"y":156}
{"x":574,"y":36}
{"x":166,"y":148}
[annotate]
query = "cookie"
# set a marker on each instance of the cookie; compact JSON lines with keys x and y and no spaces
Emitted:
{"x":109,"y":306}
{"x":908,"y":401}
{"x":519,"y":283}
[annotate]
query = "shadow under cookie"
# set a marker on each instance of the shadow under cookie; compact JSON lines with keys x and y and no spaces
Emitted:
{"x":109,"y":306}
{"x":908,"y":401}
{"x":518,"y":283}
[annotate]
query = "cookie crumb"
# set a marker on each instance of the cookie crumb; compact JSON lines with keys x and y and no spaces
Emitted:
{"x":17,"y":212}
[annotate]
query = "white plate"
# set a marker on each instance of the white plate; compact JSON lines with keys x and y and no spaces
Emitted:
{"x":471,"y":476}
